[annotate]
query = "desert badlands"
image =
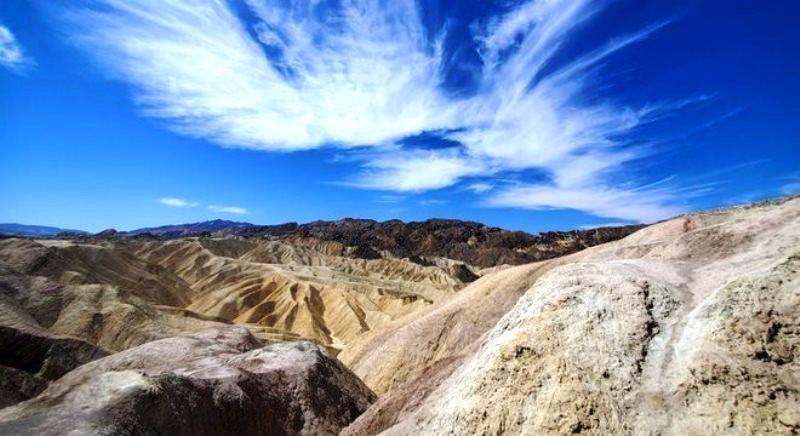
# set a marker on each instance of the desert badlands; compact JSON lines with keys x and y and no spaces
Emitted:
{"x":687,"y":326}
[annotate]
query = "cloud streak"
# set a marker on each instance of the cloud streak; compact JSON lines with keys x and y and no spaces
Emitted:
{"x":186,"y":204}
{"x":177,"y":202}
{"x":358,"y":75}
{"x":299,"y":75}
{"x":12,"y":56}
{"x":228,"y":209}
{"x":480,"y":187}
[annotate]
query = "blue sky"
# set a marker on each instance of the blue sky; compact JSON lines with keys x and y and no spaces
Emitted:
{"x":531,"y":115}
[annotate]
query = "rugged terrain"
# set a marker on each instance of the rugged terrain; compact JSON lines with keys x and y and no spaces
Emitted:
{"x":687,"y":326}
{"x":470,"y":242}
{"x":307,"y":288}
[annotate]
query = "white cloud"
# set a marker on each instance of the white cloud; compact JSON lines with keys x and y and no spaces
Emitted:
{"x":432,"y":202}
{"x":646,"y":205}
{"x":177,"y":202}
{"x":368,"y":73}
{"x":416,"y":170}
{"x":362,"y":75}
{"x":11,"y":53}
{"x":228,"y":209}
{"x":181,"y":203}
{"x":480,"y":187}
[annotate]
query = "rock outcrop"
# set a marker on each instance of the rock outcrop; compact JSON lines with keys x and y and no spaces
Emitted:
{"x":219,"y":381}
{"x":686,"y":327}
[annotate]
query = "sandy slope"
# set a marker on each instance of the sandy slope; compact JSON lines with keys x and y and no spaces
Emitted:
{"x":122,"y":293}
{"x":312,"y":292}
{"x":688,"y":326}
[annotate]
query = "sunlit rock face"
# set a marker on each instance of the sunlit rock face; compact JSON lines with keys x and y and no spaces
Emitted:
{"x":689,"y":326}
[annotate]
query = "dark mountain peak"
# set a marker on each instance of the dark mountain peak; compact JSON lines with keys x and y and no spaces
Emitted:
{"x":192,"y":229}
{"x":107,"y":233}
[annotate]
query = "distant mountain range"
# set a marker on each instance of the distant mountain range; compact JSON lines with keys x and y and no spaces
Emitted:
{"x":467,"y":241}
{"x":192,"y":229}
{"x":14,"y":229}
{"x":168,"y":231}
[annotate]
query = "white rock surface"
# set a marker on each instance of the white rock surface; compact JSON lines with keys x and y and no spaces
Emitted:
{"x":691,"y":326}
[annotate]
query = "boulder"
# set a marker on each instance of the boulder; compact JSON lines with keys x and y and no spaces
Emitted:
{"x":219,"y":381}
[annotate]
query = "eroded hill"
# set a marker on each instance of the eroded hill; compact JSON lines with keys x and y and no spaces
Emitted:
{"x":280,"y":290}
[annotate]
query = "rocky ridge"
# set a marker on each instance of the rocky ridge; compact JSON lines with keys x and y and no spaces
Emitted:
{"x":472,"y":243}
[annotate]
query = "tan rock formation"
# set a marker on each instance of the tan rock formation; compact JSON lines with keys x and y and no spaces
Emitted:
{"x":306,"y":289}
{"x":281,"y":290}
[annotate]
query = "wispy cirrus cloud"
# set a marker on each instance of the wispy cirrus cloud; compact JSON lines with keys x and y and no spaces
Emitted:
{"x":12,"y":55}
{"x":187,"y":204}
{"x":359,"y":74}
{"x":228,"y":209}
{"x":177,"y":202}
{"x":389,"y":199}
{"x":415,"y":170}
{"x":480,"y":187}
{"x":298,"y":75}
{"x":601,"y":201}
